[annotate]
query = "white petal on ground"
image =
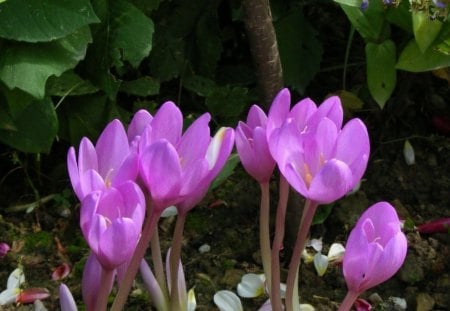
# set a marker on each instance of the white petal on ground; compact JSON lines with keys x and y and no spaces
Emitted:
{"x":15,"y":279}
{"x":9,"y":296}
{"x":336,"y":252}
{"x":192,"y":302}
{"x":316,"y":244}
{"x":251,"y":285}
{"x":226,"y":300}
{"x":408,"y":153}
{"x":399,"y":302}
{"x":169,"y":211}
{"x":306,"y":307}
{"x":320,"y":263}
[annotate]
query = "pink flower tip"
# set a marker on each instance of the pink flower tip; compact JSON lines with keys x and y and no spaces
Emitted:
{"x":4,"y":249}
{"x":61,"y":272}
{"x":29,"y":295}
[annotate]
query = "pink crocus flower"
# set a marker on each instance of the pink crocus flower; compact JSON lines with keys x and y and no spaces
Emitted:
{"x":4,"y":249}
{"x":252,"y":145}
{"x":109,"y":163}
{"x":320,"y":159}
{"x":178,"y":169}
{"x":111,"y":221}
{"x":375,"y":250}
{"x":325,"y":163}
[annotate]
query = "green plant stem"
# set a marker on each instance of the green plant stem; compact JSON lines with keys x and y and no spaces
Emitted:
{"x":292,"y":282}
{"x":175,"y":255}
{"x":102,"y":298}
{"x":348,"y":301}
{"x":347,"y":55}
{"x":158,"y":263}
{"x":275,"y":296}
{"x":264,"y":232}
{"x":125,"y":286}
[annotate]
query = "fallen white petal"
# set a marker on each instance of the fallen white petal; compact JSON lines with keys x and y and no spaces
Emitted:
{"x":15,"y":279}
{"x":169,"y":211}
{"x":306,"y":307}
{"x":408,"y":153}
{"x":320,"y":263}
{"x":400,"y":302}
{"x":204,"y":248}
{"x":251,"y":285}
{"x":226,"y":300}
{"x":316,"y":244}
{"x":192,"y":302}
{"x":336,"y":252}
{"x":9,"y":296}
{"x":307,"y":257}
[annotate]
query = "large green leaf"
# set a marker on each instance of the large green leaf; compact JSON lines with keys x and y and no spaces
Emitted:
{"x":381,"y":73}
{"x":27,"y":66}
{"x":425,"y":29}
{"x":369,"y":23}
{"x":34,"y":128}
{"x":69,"y":84}
{"x":226,"y":101}
{"x":124,"y":35}
{"x":300,"y":50}
{"x":412,"y":59}
{"x":43,"y":20}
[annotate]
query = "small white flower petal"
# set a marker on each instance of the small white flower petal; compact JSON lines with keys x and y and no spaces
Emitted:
{"x":15,"y":279}
{"x":320,"y":263}
{"x":306,"y":307}
{"x":283,"y":290}
{"x":408,"y":153}
{"x":226,"y":300}
{"x":9,"y":296}
{"x":316,"y":244}
{"x":169,"y":211}
{"x":205,"y":248}
{"x":251,"y":285}
{"x":399,"y":302}
{"x":192,"y":302}
{"x":336,"y":252}
{"x":307,"y":257}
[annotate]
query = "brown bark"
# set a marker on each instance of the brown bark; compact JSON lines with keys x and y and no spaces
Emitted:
{"x":264,"y":48}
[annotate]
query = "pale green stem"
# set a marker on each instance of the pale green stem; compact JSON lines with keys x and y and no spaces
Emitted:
{"x":264,"y":233}
{"x":125,"y":285}
{"x":305,"y":224}
{"x":175,"y":255}
{"x":275,"y":296}
{"x":158,"y":263}
{"x":102,"y":298}
{"x":348,"y":301}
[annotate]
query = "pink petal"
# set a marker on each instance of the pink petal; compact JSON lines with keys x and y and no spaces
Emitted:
{"x":219,"y":150}
{"x":140,"y":120}
{"x":90,"y":181}
{"x":112,"y":148}
{"x":331,"y":183}
{"x":195,"y":141}
{"x":331,"y":108}
{"x":278,"y":111}
{"x":61,"y":272}
{"x":301,"y":113}
{"x":91,"y":282}
{"x":161,"y":171}
{"x":117,"y":243}
{"x":128,"y":170}
{"x":167,"y":123}
{"x":256,"y":117}
{"x":66,"y":300}
{"x":134,"y":202}
{"x":87,"y":156}
{"x":29,"y":295}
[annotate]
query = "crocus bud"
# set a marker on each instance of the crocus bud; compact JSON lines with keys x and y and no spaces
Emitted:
{"x":375,"y":250}
{"x":252,"y":146}
{"x":66,"y":300}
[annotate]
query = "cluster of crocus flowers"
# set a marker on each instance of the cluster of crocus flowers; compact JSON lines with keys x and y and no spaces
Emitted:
{"x":321,"y":159}
{"x":126,"y":181}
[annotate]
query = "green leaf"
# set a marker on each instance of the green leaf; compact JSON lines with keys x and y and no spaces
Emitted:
{"x":131,"y":33}
{"x":35,"y":128}
{"x":381,"y":72}
{"x":300,"y":50}
{"x":412,"y":59}
{"x":27,"y":66}
{"x":226,"y":101}
{"x":144,"y":86}
{"x":400,"y":16}
{"x":425,"y":29}
{"x":227,"y":171}
{"x":200,"y":85}
{"x":355,"y":3}
{"x":69,"y":84}
{"x":322,"y":214}
{"x":368,"y":23}
{"x":43,"y":20}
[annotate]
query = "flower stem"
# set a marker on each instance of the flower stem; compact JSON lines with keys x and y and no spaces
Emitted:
{"x":275,"y":296}
{"x":348,"y":301}
{"x":158,"y":262}
{"x":175,"y":255}
{"x":264,"y":233}
{"x":102,"y":298}
{"x":292,"y":280}
{"x":125,"y":286}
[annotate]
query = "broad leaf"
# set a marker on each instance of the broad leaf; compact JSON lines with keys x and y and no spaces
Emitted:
{"x":69,"y":84}
{"x":27,"y":66}
{"x":144,"y":86}
{"x":300,"y":50}
{"x":425,"y":29}
{"x":355,"y":3}
{"x":412,"y":59}
{"x":226,"y":101}
{"x":400,"y":16}
{"x":381,"y":73}
{"x":34,"y":128}
{"x":369,"y":23}
{"x":43,"y":20}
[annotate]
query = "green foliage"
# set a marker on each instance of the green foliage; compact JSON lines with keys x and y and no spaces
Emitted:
{"x":300,"y":49}
{"x":427,"y":49}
